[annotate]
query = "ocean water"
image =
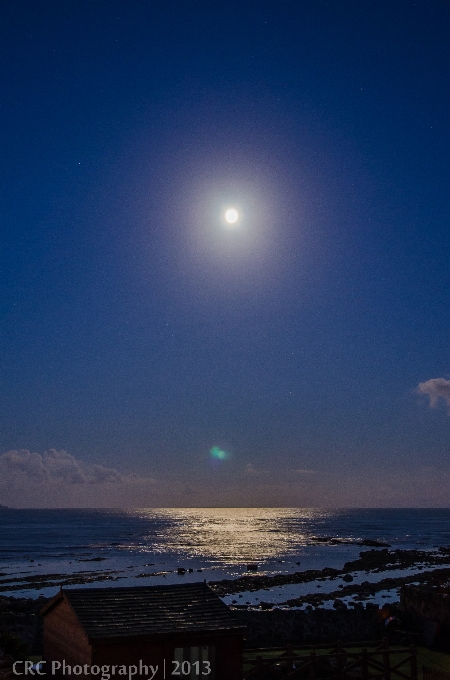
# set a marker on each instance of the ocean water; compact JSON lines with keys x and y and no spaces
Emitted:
{"x":147,"y":546}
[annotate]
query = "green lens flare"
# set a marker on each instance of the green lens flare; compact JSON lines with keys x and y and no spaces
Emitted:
{"x":218,"y":453}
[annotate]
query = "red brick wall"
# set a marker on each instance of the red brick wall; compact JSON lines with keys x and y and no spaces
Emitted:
{"x":64,"y":637}
{"x":155,"y":651}
{"x":129,"y":653}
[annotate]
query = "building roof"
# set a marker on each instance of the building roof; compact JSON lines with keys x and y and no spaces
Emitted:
{"x":148,"y":610}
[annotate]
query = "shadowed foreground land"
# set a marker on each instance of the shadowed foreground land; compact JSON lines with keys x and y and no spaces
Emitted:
{"x":20,"y":625}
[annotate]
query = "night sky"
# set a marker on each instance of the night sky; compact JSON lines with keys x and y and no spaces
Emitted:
{"x":153,"y":355}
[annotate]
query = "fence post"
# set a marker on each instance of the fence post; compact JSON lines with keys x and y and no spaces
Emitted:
{"x":339,"y":660}
{"x":386,"y":660}
{"x":290,"y":655}
{"x":312,"y":658}
{"x":413,"y":661}
{"x":260,"y":667}
{"x":364,"y":665}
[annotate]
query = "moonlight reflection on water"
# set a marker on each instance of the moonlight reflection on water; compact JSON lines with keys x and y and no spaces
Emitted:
{"x":234,"y":535}
{"x":48,"y":546}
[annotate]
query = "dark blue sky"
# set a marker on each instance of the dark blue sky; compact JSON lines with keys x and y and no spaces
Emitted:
{"x":138,"y":331}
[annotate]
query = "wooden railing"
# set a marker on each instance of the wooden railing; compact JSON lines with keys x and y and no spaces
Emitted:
{"x":339,"y":662}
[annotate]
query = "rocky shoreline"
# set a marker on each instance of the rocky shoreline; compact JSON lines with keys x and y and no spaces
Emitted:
{"x":431,"y":568}
{"x":371,"y":561}
{"x":20,"y":621}
{"x":39,"y":581}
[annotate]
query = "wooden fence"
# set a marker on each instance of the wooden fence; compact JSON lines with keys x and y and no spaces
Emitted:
{"x":338,"y":662}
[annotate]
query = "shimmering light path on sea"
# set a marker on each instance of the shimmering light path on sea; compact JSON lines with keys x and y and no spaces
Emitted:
{"x":47,"y":548}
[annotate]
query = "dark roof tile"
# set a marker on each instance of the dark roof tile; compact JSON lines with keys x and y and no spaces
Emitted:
{"x":149,"y":610}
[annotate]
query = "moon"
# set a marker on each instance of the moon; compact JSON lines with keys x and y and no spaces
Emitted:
{"x":231,"y":216}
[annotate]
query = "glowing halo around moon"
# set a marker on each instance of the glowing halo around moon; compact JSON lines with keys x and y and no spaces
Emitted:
{"x":231,"y":216}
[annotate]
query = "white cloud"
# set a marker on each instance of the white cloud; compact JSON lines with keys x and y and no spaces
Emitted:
{"x":24,"y":467}
{"x":435,"y":389}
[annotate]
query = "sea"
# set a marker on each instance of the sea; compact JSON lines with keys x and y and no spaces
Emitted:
{"x":40,"y":550}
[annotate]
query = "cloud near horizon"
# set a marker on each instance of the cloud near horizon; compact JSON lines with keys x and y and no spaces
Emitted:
{"x":57,"y":479}
{"x":23,"y":467}
{"x":250,"y":469}
{"x":435,"y":389}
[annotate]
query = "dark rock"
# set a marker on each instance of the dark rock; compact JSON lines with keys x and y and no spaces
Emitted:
{"x":252,"y":567}
{"x":347,"y":577}
{"x":266,"y":605}
{"x":375,"y":544}
{"x":181,"y":571}
{"x":93,"y":559}
{"x":339,"y":604}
